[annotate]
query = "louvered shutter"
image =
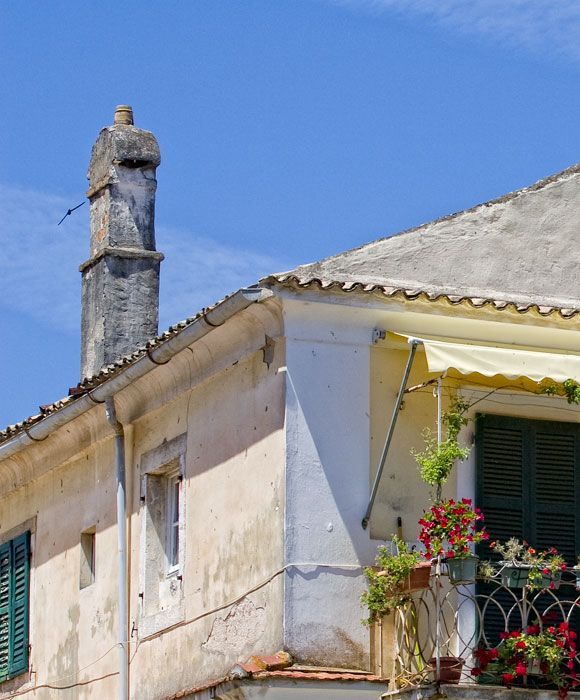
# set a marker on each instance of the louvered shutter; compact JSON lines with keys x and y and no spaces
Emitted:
{"x":502,"y":451}
{"x":528,"y":481}
{"x":19,"y":604}
{"x":5,"y":587}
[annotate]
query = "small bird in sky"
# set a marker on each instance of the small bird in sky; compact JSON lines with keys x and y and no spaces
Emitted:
{"x":69,"y":212}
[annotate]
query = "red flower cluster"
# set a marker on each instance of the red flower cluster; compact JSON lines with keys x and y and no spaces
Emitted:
{"x":553,"y":649}
{"x":450,"y":527}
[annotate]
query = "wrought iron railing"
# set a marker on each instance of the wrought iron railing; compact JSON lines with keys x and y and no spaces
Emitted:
{"x":448,"y":622}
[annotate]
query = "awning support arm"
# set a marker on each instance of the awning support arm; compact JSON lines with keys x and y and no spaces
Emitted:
{"x":413,"y":342}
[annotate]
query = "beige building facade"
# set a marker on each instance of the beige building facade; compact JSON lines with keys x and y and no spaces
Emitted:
{"x":242,"y":447}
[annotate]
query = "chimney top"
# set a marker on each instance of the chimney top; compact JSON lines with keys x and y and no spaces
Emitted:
{"x":124,"y":115}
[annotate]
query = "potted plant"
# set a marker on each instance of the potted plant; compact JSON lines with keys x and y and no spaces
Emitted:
{"x":436,"y":460}
{"x":548,"y":653}
{"x":450,"y":668}
{"x":449,"y":529}
{"x":522,"y":565}
{"x":393,"y":579}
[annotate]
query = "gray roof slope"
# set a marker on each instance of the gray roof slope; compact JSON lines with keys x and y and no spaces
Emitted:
{"x":521,"y":249}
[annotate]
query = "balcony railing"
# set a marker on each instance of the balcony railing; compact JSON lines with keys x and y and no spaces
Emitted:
{"x":446,"y":622}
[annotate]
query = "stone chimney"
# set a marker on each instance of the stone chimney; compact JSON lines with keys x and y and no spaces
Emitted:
{"x":120,"y":295}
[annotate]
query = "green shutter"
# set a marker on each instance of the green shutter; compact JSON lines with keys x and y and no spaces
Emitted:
{"x":19,"y":604}
{"x":528,"y":482}
{"x":14,"y":585}
{"x":5,"y":576}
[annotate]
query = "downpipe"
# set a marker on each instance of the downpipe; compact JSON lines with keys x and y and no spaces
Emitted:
{"x":123,"y":636}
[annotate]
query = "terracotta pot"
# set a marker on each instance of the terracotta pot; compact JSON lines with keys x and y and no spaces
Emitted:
{"x":419,"y":577}
{"x":417,"y":580}
{"x":449,"y":669}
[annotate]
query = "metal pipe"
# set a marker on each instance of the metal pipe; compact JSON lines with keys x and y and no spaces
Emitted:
{"x":123,"y":635}
{"x":439,"y":424}
{"x":198,"y":328}
{"x":414,"y":342}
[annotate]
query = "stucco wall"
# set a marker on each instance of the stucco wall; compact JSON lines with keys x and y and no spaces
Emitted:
{"x":340,"y":396}
{"x":230,"y":404}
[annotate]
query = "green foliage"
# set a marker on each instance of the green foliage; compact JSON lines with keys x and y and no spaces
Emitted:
{"x":570,"y":389}
{"x":388,"y":580}
{"x":436,"y":460}
{"x":540,"y":564}
{"x":548,"y":652}
{"x":455,"y":417}
{"x":486,"y":571}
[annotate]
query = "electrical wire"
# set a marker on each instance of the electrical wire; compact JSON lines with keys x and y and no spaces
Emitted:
{"x":183,"y":623}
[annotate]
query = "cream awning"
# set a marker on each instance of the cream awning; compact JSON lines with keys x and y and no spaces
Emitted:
{"x":490,"y":360}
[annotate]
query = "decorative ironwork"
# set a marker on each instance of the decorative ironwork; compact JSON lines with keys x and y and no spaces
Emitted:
{"x":452,"y":620}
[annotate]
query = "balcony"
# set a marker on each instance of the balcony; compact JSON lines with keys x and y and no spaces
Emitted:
{"x":449,"y":639}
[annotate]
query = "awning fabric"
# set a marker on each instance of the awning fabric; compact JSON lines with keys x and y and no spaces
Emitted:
{"x":511,"y":362}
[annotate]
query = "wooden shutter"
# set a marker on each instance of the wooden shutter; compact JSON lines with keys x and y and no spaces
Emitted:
{"x":19,"y":604}
{"x":5,"y":576}
{"x":528,"y":481}
{"x":14,"y":585}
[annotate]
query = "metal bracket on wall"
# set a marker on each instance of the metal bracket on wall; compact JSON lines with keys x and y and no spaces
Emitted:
{"x":413,"y":343}
{"x":378,"y":334}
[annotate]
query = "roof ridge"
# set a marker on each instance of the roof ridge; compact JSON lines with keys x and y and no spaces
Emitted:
{"x":538,"y":185}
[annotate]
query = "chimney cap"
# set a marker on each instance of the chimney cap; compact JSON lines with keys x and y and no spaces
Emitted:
{"x":124,"y":115}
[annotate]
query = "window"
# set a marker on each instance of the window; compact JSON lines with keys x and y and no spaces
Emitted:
{"x":528,"y":485}
{"x":87,"y":567}
{"x":173,"y":488}
{"x":162,"y":536}
{"x":528,"y":474}
{"x":14,"y":585}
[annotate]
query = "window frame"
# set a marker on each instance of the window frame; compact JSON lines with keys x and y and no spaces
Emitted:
{"x":17,"y":549}
{"x":172,"y":535}
{"x":161,"y":584}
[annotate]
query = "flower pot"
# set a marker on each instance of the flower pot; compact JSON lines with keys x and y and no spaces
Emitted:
{"x":462,"y":569}
{"x":419,"y":577}
{"x":514,"y":576}
{"x":552,"y":581}
{"x":449,"y":669}
{"x":517,"y":577}
{"x":417,"y":580}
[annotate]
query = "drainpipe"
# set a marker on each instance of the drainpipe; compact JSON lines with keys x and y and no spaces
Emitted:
{"x":122,"y":538}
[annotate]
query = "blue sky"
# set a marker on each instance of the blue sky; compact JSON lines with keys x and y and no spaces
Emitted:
{"x":289,"y":130}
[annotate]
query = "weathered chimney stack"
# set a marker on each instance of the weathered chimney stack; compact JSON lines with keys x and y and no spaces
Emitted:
{"x":120,"y":296}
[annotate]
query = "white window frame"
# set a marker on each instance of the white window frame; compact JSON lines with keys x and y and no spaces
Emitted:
{"x":161,"y":585}
{"x":174,"y":525}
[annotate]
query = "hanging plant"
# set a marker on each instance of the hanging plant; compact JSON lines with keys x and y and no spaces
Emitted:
{"x":436,"y":460}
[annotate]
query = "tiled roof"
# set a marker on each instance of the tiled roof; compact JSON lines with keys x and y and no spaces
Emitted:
{"x":280,"y":665}
{"x":108,"y":372}
{"x":293,"y":281}
{"x":517,"y":252}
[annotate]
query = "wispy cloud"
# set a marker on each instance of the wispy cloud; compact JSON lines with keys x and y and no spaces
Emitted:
{"x":39,"y":262}
{"x":536,"y":25}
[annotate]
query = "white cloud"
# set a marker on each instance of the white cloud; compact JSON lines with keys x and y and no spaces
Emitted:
{"x":39,"y":262}
{"x":538,"y":25}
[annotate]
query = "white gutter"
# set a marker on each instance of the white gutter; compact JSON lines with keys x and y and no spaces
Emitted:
{"x":160,"y":355}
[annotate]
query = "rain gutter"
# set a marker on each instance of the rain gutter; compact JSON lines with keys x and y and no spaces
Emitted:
{"x":159,"y":355}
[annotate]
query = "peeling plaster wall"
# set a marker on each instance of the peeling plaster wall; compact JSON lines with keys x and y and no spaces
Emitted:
{"x":230,"y":404}
{"x":69,"y":628}
{"x":234,"y":500}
